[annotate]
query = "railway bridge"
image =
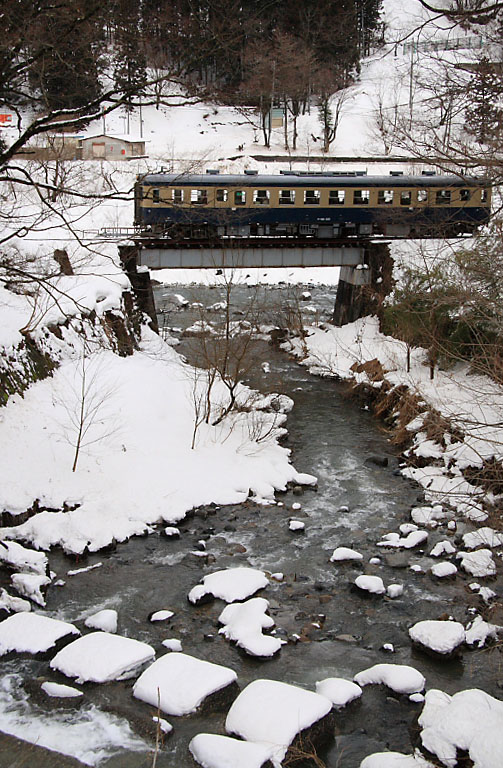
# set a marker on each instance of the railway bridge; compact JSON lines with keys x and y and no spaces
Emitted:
{"x":364,"y":279}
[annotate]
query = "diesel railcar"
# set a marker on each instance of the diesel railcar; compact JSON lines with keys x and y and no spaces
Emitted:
{"x":319,"y":207}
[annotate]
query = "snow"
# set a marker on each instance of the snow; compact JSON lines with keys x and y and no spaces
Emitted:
{"x":273,"y":713}
{"x":345,"y":553}
{"x":213,"y":751}
{"x":338,"y":690}
{"x":486,"y":537}
{"x":443,"y":548}
{"x":439,"y":636}
{"x":479,"y":631}
{"x":395,"y":760}
{"x":443,"y":570}
{"x":106,"y":620}
{"x":373,"y":584}
{"x":57,"y":690}
{"x":478,"y":564}
{"x":227,"y":462}
{"x":32,"y":633}
{"x":172,"y":644}
{"x":399,"y":677}
{"x":230,"y":585}
{"x":428,"y":515}
{"x":394,"y":590}
{"x":164,"y":726}
{"x":100,"y":657}
{"x":30,"y":585}
{"x":13,"y":604}
{"x":296,"y":525}
{"x":23,"y":559}
{"x":161,"y":615}
{"x":243,"y":624}
{"x":413,"y":539}
{"x":470,"y":720}
{"x":179,"y":683}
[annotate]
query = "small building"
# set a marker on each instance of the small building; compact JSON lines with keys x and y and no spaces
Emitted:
{"x":105,"y":147}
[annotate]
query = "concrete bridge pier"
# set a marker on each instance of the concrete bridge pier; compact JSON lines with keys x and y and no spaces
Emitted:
{"x":361,"y":289}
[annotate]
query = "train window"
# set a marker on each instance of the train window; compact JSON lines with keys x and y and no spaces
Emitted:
{"x":361,"y":196}
{"x":465,"y":195}
{"x":443,"y":197}
{"x":239,"y":197}
{"x":177,"y":195}
{"x":261,"y":196}
{"x":385,"y":197}
{"x":312,"y":197}
{"x":336,"y":196}
{"x":198,"y":197}
{"x":405,"y":197}
{"x":422,"y":195}
{"x":483,"y":196}
{"x":222,"y":195}
{"x":156,"y":195}
{"x":286,"y":196}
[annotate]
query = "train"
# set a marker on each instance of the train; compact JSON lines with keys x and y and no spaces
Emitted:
{"x":306,"y":207}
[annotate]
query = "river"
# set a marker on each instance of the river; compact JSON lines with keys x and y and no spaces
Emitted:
{"x":356,"y":501}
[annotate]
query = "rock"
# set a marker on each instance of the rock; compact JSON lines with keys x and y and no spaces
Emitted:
{"x":346,"y":638}
{"x":378,"y":461}
{"x":397,"y":559}
{"x":297,"y":490}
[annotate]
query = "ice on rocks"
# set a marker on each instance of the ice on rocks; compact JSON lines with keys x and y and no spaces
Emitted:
{"x":443,"y":570}
{"x":372,"y":584}
{"x":100,"y":657}
{"x":482,"y":537}
{"x":338,"y":690}
{"x":213,"y":751}
{"x":164,"y":726}
{"x":394,"y":590}
{"x":23,"y":559}
{"x":470,"y":720}
{"x":439,"y":636}
{"x":428,"y":515}
{"x":413,"y":539}
{"x":106,"y":620}
{"x":30,"y":585}
{"x":31,"y":633}
{"x":243,"y":624}
{"x":399,"y":677}
{"x":273,"y":713}
{"x":443,"y":548}
{"x":479,"y":632}
{"x":230,"y":585}
{"x":345,"y":553}
{"x":57,"y":690}
{"x":395,"y":760}
{"x":479,"y":564}
{"x":172,"y":644}
{"x":161,"y":615}
{"x":13,"y":604}
{"x":180,"y":683}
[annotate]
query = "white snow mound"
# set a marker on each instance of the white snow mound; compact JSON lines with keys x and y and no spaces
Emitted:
{"x":32,"y":633}
{"x":179,"y":683}
{"x":338,"y":690}
{"x":243,"y":624}
{"x":230,"y":585}
{"x":273,"y":713}
{"x":212,"y":751}
{"x":399,"y":677}
{"x":439,"y":636}
{"x":100,"y":657}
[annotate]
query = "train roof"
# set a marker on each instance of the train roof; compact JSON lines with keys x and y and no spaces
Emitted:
{"x":303,"y":179}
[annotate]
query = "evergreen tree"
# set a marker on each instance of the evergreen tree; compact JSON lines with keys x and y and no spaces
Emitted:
{"x":484,"y":113}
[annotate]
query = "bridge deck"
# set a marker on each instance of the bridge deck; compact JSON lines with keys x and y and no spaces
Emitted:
{"x":210,"y":258}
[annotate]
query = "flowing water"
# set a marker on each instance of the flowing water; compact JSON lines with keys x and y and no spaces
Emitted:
{"x":341,"y":632}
